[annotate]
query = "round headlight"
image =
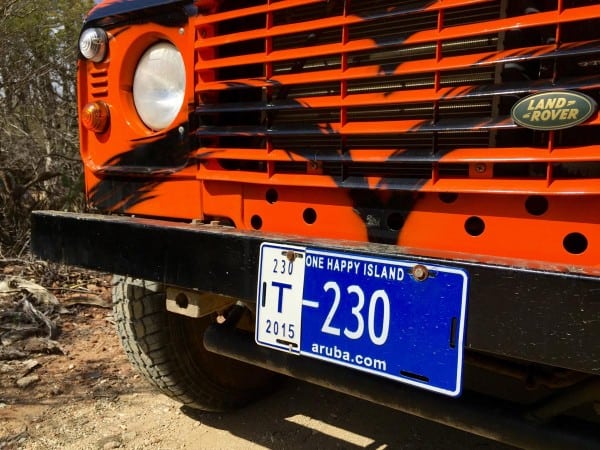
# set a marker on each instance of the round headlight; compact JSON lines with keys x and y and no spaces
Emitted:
{"x":159,"y":85}
{"x":93,"y":44}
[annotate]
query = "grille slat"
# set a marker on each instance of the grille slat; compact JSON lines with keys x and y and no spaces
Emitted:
{"x":359,"y":47}
{"x":360,"y":128}
{"x":367,"y":154}
{"x":383,"y":98}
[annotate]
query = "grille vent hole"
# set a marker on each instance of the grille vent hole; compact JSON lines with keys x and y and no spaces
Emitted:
{"x":575,"y":243}
{"x":272,"y":196}
{"x":474,"y":226}
{"x":448,"y":197}
{"x":256,"y":222}
{"x":309,"y":215}
{"x":536,"y":205}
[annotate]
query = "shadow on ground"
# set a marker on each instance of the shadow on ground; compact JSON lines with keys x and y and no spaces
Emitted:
{"x":304,"y":416}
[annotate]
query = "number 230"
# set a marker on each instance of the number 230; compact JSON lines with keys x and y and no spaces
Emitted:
{"x":283,"y":266}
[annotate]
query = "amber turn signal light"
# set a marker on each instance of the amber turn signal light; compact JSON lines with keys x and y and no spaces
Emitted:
{"x":95,"y":116}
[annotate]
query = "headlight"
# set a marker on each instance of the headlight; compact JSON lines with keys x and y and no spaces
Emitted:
{"x":159,"y":85}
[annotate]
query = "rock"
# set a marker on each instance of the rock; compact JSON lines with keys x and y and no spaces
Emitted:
{"x":29,"y":366}
{"x":9,"y":354}
{"x":129,"y":436}
{"x":43,"y":345}
{"x":93,"y":374}
{"x":27,"y":381}
{"x":111,"y":444}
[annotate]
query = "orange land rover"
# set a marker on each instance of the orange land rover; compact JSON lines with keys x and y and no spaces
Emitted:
{"x":395,"y":199}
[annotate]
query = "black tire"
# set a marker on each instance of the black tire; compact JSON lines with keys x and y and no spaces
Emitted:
{"x":168,"y":350}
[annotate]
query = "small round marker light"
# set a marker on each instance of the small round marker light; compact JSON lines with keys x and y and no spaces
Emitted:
{"x":93,"y":44}
{"x":95,"y":116}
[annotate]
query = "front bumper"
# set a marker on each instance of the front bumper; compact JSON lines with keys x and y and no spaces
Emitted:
{"x":538,"y":316}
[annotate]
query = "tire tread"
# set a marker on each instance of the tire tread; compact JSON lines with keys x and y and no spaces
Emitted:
{"x":143,"y":328}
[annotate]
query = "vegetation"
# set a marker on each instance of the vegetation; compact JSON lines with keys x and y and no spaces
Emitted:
{"x":39,"y":160}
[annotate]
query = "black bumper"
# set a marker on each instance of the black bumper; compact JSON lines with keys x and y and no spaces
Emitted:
{"x":544,"y":317}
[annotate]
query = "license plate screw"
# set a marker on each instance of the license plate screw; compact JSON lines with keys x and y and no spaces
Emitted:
{"x":290,"y":255}
{"x":420,"y":273}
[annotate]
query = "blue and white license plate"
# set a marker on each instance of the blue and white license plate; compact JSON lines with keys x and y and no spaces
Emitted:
{"x":397,"y":319}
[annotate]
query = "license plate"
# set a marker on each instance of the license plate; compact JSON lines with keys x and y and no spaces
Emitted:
{"x":397,"y":319}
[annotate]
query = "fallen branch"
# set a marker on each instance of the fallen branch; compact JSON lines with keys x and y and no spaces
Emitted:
{"x":36,"y":315}
{"x":88,"y":300}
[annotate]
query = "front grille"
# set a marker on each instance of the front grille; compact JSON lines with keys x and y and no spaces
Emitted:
{"x":406,"y":95}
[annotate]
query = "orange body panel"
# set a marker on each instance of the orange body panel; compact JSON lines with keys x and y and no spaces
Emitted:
{"x":404,"y":139}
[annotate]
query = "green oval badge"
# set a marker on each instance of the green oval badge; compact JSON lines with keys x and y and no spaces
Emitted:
{"x":554,"y":110}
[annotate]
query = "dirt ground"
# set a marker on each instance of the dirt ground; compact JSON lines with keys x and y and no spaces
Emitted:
{"x":85,"y":395}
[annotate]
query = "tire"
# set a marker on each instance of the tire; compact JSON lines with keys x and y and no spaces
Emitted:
{"x":168,"y":350}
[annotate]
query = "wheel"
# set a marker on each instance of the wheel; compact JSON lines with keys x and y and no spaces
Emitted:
{"x":168,"y":350}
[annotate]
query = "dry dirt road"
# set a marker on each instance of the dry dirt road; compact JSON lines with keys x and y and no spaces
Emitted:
{"x":90,"y":398}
